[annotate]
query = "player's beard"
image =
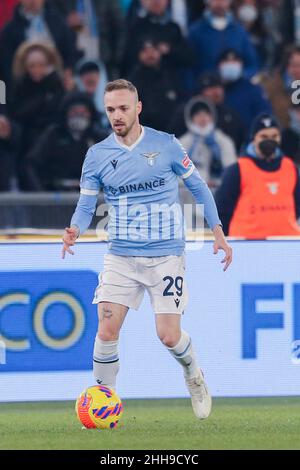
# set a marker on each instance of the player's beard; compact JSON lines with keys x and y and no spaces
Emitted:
{"x":124,"y":131}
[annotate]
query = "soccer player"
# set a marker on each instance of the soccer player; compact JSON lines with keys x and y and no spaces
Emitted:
{"x":138,"y":169}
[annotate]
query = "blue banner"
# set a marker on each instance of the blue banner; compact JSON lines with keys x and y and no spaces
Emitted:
{"x":47,"y":320}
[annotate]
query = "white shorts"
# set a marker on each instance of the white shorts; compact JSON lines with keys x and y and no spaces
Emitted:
{"x":125,"y":279}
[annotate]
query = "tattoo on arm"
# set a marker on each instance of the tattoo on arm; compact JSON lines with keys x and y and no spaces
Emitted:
{"x":106,"y":313}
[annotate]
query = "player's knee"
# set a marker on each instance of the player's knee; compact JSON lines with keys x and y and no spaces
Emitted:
{"x":168,"y":339}
{"x":108,"y":335}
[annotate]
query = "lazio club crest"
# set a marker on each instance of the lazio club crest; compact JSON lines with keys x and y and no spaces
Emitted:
{"x":150,"y":157}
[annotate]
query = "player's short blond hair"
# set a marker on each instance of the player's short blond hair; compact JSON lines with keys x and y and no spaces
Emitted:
{"x":121,"y":84}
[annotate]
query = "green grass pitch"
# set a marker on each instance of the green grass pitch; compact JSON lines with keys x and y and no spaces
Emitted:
{"x":237,"y":423}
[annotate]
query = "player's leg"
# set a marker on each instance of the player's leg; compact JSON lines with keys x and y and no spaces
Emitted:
{"x":169,"y":296}
{"x":180,"y":346}
{"x":118,"y":290}
{"x":106,"y":356}
{"x":178,"y":342}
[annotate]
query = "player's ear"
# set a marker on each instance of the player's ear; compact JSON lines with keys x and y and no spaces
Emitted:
{"x":139,"y":107}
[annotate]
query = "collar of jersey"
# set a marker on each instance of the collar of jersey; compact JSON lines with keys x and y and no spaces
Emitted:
{"x":131,"y":147}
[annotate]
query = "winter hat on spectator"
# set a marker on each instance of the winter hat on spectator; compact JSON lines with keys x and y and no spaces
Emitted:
{"x":209,"y":80}
{"x":230,"y":54}
{"x":74,"y":98}
{"x":200,"y":106}
{"x":89,"y":66}
{"x":263,"y":121}
{"x":146,"y":42}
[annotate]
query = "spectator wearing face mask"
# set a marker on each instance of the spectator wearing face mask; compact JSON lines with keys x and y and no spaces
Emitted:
{"x":33,"y":20}
{"x":241,"y":94}
{"x":260,"y":194}
{"x":216,"y":31}
{"x":92,"y":79}
{"x":38,"y":90}
{"x":157,"y":85}
{"x":55,"y":162}
{"x":291,"y":135}
{"x":211,"y":87}
{"x":207,"y":146}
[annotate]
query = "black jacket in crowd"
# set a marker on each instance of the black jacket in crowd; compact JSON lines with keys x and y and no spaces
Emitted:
{"x":158,"y":90}
{"x":195,"y":9}
{"x":168,"y":32}
{"x":13,"y":34}
{"x":34,"y":106}
{"x":291,"y":144}
{"x":57,"y":155}
{"x":228,"y":194}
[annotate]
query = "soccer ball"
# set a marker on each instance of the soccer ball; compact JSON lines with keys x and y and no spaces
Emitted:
{"x":99,"y":407}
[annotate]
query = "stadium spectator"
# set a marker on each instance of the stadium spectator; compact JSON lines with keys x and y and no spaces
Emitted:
{"x":207,"y":146}
{"x":157,"y":84}
{"x":216,"y":31}
{"x":35,"y":21}
{"x":278,"y":84}
{"x":156,"y":24}
{"x":38,"y":90}
{"x":250,"y":14}
{"x":9,"y":148}
{"x":92,"y":79}
{"x":182,"y":12}
{"x":210,"y":86}
{"x":55,"y":162}
{"x":260,"y":194}
{"x":244,"y":97}
{"x":100,"y":29}
{"x":291,"y":135}
{"x":6,"y":11}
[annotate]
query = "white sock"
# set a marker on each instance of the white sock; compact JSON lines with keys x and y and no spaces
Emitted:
{"x":106,"y":362}
{"x":183,"y":353}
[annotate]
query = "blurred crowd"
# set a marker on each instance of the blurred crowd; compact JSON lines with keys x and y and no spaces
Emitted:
{"x":204,"y":69}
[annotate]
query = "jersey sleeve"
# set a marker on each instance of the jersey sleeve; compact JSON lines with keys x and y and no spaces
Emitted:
{"x":90,"y":182}
{"x":182,"y":165}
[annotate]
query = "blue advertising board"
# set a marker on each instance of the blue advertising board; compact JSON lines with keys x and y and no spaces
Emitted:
{"x":245,"y":323}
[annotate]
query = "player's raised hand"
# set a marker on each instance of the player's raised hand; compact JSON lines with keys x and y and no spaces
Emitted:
{"x":221,"y":244}
{"x":69,"y":239}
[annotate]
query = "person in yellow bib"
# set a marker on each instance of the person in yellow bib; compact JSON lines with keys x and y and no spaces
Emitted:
{"x":259,"y":195}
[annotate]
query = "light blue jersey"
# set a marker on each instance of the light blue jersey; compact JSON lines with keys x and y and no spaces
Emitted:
{"x":140,"y":184}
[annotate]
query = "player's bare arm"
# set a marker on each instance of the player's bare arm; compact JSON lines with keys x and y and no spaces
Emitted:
{"x":221,"y":244}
